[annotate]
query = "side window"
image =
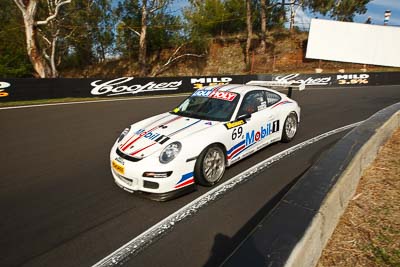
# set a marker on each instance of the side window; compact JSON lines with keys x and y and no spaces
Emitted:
{"x":272,"y":98}
{"x":252,"y":102}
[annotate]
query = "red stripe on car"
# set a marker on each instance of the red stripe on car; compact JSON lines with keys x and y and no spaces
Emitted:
{"x":280,"y":103}
{"x":236,"y":151}
{"x":125,"y":146}
{"x":188,"y":182}
{"x":137,"y":151}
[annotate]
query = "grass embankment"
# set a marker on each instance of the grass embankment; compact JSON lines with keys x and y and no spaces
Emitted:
{"x":368,"y":234}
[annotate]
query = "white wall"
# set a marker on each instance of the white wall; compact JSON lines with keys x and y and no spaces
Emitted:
{"x":354,"y":42}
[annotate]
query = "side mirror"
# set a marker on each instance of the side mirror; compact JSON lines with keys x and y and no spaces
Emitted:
{"x":244,"y":116}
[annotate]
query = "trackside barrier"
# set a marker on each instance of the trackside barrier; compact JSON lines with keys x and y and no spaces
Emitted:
{"x":36,"y":89}
{"x":298,"y":228}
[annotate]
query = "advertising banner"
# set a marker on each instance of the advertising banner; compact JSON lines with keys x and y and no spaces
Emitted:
{"x":34,"y":89}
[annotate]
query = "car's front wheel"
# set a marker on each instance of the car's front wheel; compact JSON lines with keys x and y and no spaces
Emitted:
{"x":210,"y":166}
{"x":289,"y":128}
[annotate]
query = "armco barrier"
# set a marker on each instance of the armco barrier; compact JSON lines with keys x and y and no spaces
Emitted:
{"x":33,"y":89}
{"x":298,"y":228}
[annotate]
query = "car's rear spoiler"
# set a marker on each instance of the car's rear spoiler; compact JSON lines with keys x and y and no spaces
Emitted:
{"x":289,"y":85}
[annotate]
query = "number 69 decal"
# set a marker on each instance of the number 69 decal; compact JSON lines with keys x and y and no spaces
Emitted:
{"x":237,"y":133}
{"x":3,"y":85}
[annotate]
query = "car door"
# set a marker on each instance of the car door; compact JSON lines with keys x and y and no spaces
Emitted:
{"x":247,"y":133}
{"x":273,"y":117}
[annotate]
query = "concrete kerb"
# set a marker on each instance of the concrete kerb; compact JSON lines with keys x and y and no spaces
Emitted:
{"x":295,"y":232}
{"x":308,"y":250}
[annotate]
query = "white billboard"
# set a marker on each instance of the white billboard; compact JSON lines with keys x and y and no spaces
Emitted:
{"x":354,"y":42}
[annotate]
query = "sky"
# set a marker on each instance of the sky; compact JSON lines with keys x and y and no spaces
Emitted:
{"x":376,"y":9}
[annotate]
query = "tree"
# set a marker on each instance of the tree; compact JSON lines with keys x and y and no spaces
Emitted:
{"x":43,"y":62}
{"x":14,"y":61}
{"x":171,"y":35}
{"x":263,"y":13}
{"x":345,"y":10}
{"x":133,"y":28}
{"x":128,"y":26}
{"x":90,"y":26}
{"x":102,"y":25}
{"x":145,"y":30}
{"x":273,"y":14}
{"x":175,"y":57}
{"x":249,"y":24}
{"x":295,"y":5}
{"x":342,"y":10}
{"x":320,"y":6}
{"x":283,"y":12}
{"x":207,"y":17}
{"x":148,"y":9}
{"x":211,"y":18}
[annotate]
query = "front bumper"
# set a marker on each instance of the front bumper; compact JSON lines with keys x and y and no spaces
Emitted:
{"x":129,"y":175}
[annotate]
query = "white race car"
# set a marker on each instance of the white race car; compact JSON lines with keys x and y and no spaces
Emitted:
{"x":168,"y":154}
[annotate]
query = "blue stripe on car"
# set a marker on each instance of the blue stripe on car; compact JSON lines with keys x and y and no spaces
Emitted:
{"x":235,"y":146}
{"x":185,"y":177}
{"x":243,"y":150}
{"x":184,"y":128}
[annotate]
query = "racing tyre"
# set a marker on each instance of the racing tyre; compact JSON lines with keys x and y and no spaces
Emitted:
{"x":289,"y":128}
{"x":210,"y":166}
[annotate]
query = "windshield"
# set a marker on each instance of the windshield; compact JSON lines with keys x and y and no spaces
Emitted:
{"x":207,"y":108}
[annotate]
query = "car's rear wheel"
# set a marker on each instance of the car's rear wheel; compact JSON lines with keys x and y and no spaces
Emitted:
{"x":289,"y":128}
{"x":210,"y":166}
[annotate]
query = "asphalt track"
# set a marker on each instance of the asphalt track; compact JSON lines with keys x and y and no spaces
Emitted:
{"x":60,"y":207}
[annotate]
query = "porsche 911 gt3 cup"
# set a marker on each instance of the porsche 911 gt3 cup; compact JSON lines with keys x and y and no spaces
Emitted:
{"x":168,"y":154}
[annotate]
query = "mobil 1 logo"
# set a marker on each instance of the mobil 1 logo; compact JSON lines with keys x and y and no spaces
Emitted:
{"x":255,"y":136}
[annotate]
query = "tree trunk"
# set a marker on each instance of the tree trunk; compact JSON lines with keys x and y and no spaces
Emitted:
{"x":263,"y":25}
{"x":142,"y":41}
{"x":43,"y":64}
{"x":54,"y":72}
{"x":39,"y":63}
{"x":249,"y":32}
{"x":292,"y":15}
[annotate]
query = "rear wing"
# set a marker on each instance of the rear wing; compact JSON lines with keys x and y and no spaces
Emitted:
{"x":289,"y":85}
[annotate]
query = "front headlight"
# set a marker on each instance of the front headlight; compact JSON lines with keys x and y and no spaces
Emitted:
{"x":123,"y":134}
{"x":170,"y":152}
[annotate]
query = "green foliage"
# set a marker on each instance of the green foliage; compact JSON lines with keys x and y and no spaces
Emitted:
{"x":164,"y":33}
{"x":346,"y":10}
{"x":235,"y":13}
{"x":343,"y":10}
{"x":88,"y":33}
{"x":103,"y":24}
{"x":127,"y":41}
{"x":92,"y":31}
{"x":211,"y":18}
{"x":14,"y":65}
{"x":14,"y":61}
{"x":320,"y":6}
{"x":208,"y":17}
{"x":275,"y":15}
{"x":163,"y":29}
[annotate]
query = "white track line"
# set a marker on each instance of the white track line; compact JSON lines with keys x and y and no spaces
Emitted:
{"x":155,"y":232}
{"x":163,"y":96}
{"x":95,"y":101}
